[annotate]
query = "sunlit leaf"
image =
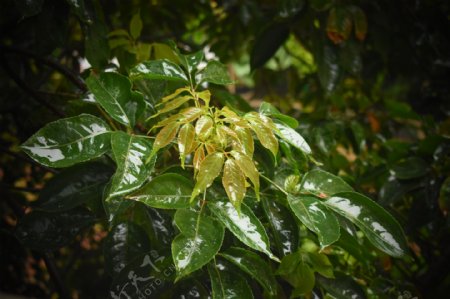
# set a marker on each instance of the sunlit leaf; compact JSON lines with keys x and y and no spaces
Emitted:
{"x":186,"y":138}
{"x":248,"y":167}
{"x":204,"y":127}
{"x":323,"y":184}
{"x":209,"y":169}
{"x":233,"y":181}
{"x":165,"y":136}
{"x":246,"y":143}
{"x":293,"y":137}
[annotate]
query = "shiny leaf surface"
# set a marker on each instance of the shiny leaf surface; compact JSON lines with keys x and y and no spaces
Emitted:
{"x":113,"y":92}
{"x":323,"y":184}
{"x":265,"y":135}
{"x":166,"y":191}
{"x":226,"y":284}
{"x":244,"y":225}
{"x":45,"y":231}
{"x":316,"y":217}
{"x":215,"y":72}
{"x":293,"y":138}
{"x":74,"y":186}
{"x":158,"y":69}
{"x":233,"y":181}
{"x":69,"y":141}
{"x":247,"y":166}
{"x":382,"y":230}
{"x":186,"y":138}
{"x":210,"y":168}
{"x":199,"y":241}
{"x":165,"y":136}
{"x":342,"y":287}
{"x":253,"y":265}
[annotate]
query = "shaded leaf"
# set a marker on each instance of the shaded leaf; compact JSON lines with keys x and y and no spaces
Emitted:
{"x":136,"y":26}
{"x":216,"y":73}
{"x":410,"y":168}
{"x":162,"y":69}
{"x":96,"y":48}
{"x":342,"y":287}
{"x":226,"y":284}
{"x":69,"y":141}
{"x":360,"y":22}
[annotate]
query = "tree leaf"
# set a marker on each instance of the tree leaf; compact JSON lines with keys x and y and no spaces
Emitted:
{"x":113,"y":92}
{"x":244,"y":225}
{"x":74,"y":186}
{"x":284,"y":227}
{"x":226,"y":284}
{"x":191,"y":61}
{"x":162,"y":69}
{"x":293,"y":137}
{"x":328,"y":69}
{"x":186,"y":138}
{"x":233,"y":181}
{"x":253,"y":265}
{"x":136,"y":26}
{"x":96,"y":47}
{"x":200,"y":240}
{"x":124,"y":242}
{"x":410,"y":168}
{"x":216,"y":73}
{"x":248,"y":167}
{"x":342,"y":287}
{"x":323,"y":184}
{"x":302,"y":279}
{"x":360,"y":22}
{"x":382,"y":230}
{"x":209,"y":169}
{"x":130,"y":153}
{"x":270,"y":110}
{"x":246,"y":145}
{"x":174,"y":104}
{"x":316,"y":217}
{"x":45,"y":231}
{"x":166,"y":191}
{"x":69,"y":141}
{"x":165,"y":136}
{"x":265,"y":134}
{"x":199,"y":156}
{"x":204,"y":127}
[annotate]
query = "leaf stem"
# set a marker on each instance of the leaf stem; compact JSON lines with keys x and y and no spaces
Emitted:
{"x":110,"y":121}
{"x":275,"y":184}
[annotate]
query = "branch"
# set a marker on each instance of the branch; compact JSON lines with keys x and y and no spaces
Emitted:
{"x":72,"y":76}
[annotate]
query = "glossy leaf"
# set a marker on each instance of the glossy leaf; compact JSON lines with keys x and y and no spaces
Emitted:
{"x":204,"y":127}
{"x":233,"y":181}
{"x":166,"y":191}
{"x":186,"y":138}
{"x":342,"y":287}
{"x":45,"y":231}
{"x":293,"y":137}
{"x":124,"y":242}
{"x":316,"y":217}
{"x":215,"y":72}
{"x":244,"y":225}
{"x":247,"y":166}
{"x":165,"y":136}
{"x":246,"y":143}
{"x":284,"y":227}
{"x":328,"y":68}
{"x":130,"y":153}
{"x":174,"y":104}
{"x":74,"y":186}
{"x":265,"y":135}
{"x":158,"y":69}
{"x":270,"y":110}
{"x":410,"y":168}
{"x":382,"y":230}
{"x":209,"y":169}
{"x":253,"y":265}
{"x":227,"y":284}
{"x":199,"y":241}
{"x":191,"y":61}
{"x":69,"y":141}
{"x":323,"y":184}
{"x":113,"y":92}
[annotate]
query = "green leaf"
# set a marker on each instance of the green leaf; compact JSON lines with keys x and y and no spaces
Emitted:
{"x":320,"y":263}
{"x":136,"y":26}
{"x":302,"y":279}
{"x":216,"y":73}
{"x":210,"y":168}
{"x":410,"y":168}
{"x":191,"y":61}
{"x":247,"y":166}
{"x":382,"y":230}
{"x":328,"y":68}
{"x":204,"y":127}
{"x":342,"y":287}
{"x":69,"y":141}
{"x":264,"y":133}
{"x":186,"y":138}
{"x":45,"y":231}
{"x":284,"y":227}
{"x":323,"y":184}
{"x":233,"y":181}
{"x":124,"y":242}
{"x":253,"y":265}
{"x":292,"y":137}
{"x":316,"y":217}
{"x":200,"y":240}
{"x":130,"y":153}
{"x":226,"y":284}
{"x":113,"y":92}
{"x":158,"y":69}
{"x":270,"y":110}
{"x":74,"y":186}
{"x":96,"y":48}
{"x":79,"y":8}
{"x":166,"y":191}
{"x":244,"y":225}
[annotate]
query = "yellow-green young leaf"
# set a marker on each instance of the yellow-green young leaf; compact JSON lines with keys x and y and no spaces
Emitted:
{"x":204,"y":127}
{"x":165,"y":136}
{"x":199,"y":156}
{"x":247,"y":166}
{"x":175,"y":103}
{"x":136,"y":26}
{"x":185,"y":140}
{"x":265,"y":135}
{"x":233,"y":181}
{"x":221,"y":137}
{"x":246,"y":140}
{"x":210,"y":148}
{"x":166,"y":121}
{"x":190,"y":114}
{"x":230,"y":116}
{"x":205,"y":96}
{"x":174,"y":94}
{"x":209,"y":169}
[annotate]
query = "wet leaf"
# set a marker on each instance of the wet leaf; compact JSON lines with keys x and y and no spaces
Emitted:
{"x":216,"y":73}
{"x":342,"y":287}
{"x":199,"y":156}
{"x":323,"y":184}
{"x":316,"y":217}
{"x":382,"y":230}
{"x":69,"y":141}
{"x":130,"y":153}
{"x":209,"y":169}
{"x":244,"y":225}
{"x":174,"y":104}
{"x":265,"y":135}
{"x":233,"y":181}
{"x":165,"y":136}
{"x":186,"y":138}
{"x":162,"y":69}
{"x":113,"y":92}
{"x":226,"y":284}
{"x":204,"y":127}
{"x":293,"y":137}
{"x":248,"y":167}
{"x":191,"y":61}
{"x":166,"y":191}
{"x":199,"y":241}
